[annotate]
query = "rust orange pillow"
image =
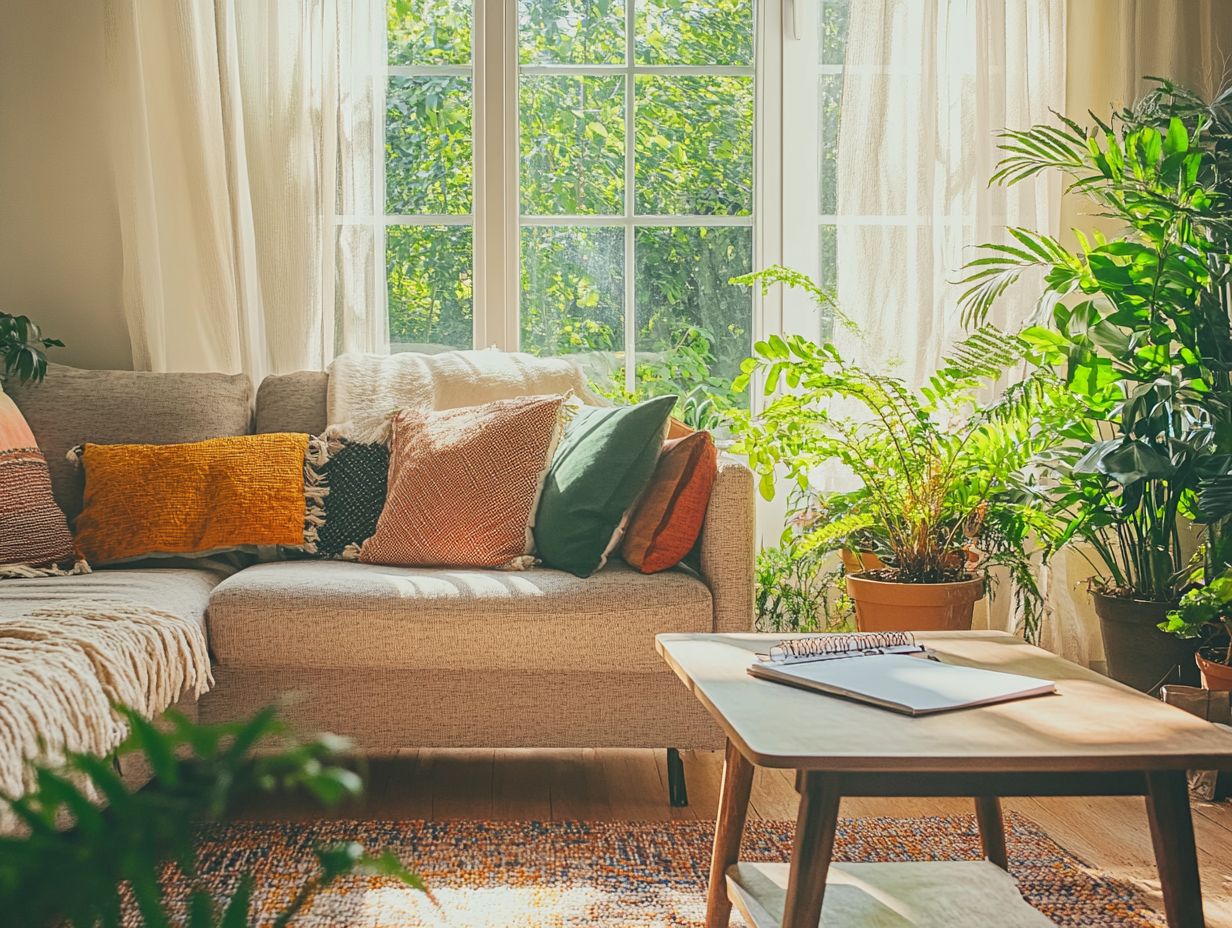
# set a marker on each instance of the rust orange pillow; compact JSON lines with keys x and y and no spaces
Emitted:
{"x":669,"y":516}
{"x":191,"y":499}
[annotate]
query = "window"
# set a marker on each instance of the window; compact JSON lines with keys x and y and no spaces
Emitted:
{"x":632,"y":175}
{"x":813,"y":66}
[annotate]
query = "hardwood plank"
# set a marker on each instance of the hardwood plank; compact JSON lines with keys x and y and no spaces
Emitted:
{"x":635,"y":788}
{"x":521,"y":785}
{"x":462,"y":783}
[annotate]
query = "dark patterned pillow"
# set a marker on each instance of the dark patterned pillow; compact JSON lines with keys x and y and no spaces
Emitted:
{"x":354,"y":476}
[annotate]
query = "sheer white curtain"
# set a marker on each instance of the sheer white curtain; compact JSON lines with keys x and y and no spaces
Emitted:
{"x":926,"y":87}
{"x":240,"y":131}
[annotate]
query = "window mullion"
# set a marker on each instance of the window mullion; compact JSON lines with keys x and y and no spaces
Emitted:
{"x":495,"y":172}
{"x":630,"y":316}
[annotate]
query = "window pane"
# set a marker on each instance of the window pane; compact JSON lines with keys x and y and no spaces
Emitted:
{"x":693,"y":327}
{"x":829,"y":101}
{"x":428,"y":273}
{"x":694,"y":146}
{"x":423,"y":32}
{"x":428,"y":145}
{"x":694,"y":32}
{"x":573,"y":140}
{"x":571,"y":31}
{"x":573,"y":295}
{"x":833,"y":30}
{"x":827,"y":246}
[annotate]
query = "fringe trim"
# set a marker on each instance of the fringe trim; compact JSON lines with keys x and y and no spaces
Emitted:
{"x":73,"y":456}
{"x":350,"y":552}
{"x":28,"y":572}
{"x":62,"y":668}
{"x":316,"y":488}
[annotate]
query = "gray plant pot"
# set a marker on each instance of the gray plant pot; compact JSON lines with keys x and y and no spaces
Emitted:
{"x":1138,"y":653}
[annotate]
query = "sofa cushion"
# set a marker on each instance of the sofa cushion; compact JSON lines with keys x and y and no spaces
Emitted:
{"x":331,"y":614}
{"x":73,"y":406}
{"x":292,"y":402}
{"x":183,"y":592}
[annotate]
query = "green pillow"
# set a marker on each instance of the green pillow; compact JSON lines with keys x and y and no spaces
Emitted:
{"x":602,"y":464}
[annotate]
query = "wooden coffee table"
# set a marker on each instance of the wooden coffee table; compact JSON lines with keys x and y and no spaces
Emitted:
{"x":1094,"y":737}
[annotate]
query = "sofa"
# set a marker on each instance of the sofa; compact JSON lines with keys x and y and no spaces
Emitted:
{"x":396,"y":657}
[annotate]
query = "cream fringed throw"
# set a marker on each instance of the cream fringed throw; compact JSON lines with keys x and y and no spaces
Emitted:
{"x":62,"y":668}
{"x":365,"y":385}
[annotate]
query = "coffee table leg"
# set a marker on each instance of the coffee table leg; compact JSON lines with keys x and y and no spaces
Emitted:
{"x":992,"y":829}
{"x":1172,"y":834}
{"x":728,"y":832}
{"x":814,"y":846}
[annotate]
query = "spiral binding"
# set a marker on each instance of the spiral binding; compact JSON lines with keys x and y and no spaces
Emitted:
{"x":839,"y":645}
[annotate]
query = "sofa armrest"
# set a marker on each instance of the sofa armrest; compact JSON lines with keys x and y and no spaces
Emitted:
{"x":728,"y":546}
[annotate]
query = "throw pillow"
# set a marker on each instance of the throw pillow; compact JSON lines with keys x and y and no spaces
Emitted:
{"x":198,"y":498}
{"x":464,"y":483}
{"x":669,"y":518}
{"x":604,"y":462}
{"x":34,"y":536}
{"x":353,"y":475}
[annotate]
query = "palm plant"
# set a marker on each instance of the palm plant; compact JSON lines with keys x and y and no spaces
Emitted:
{"x":945,"y":480}
{"x":1139,"y":324}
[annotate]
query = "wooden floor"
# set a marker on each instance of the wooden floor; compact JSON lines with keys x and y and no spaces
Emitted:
{"x":1109,"y":833}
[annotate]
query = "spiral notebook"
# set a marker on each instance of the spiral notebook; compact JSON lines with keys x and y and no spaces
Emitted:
{"x":890,"y":670}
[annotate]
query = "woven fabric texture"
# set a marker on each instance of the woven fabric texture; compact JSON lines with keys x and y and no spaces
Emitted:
{"x":386,"y":710}
{"x":669,"y":516}
{"x":196,"y":498}
{"x":72,"y":407}
{"x":355,"y":475}
{"x":33,"y":530}
{"x":464,"y":483}
{"x":317,"y":615}
{"x":727,"y":552}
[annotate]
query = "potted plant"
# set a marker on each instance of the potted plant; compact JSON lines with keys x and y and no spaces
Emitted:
{"x":22,"y":349}
{"x":944,"y":491}
{"x":1139,"y":324}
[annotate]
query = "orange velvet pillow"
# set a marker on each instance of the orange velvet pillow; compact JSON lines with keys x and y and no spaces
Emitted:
{"x":193,"y":498}
{"x":669,"y":517}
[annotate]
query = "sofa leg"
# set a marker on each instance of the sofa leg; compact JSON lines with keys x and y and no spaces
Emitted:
{"x":676,"y":793}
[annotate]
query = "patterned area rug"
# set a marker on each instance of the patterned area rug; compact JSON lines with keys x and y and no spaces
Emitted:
{"x":529,"y":874}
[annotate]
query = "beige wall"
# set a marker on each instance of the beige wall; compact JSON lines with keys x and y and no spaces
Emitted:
{"x":59,"y":231}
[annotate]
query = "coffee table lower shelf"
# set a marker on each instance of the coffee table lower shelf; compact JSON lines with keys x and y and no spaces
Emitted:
{"x":929,"y":894}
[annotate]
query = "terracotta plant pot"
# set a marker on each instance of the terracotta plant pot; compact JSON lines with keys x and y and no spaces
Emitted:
{"x":1138,"y":653}
{"x":1215,"y":676}
{"x":913,"y":607}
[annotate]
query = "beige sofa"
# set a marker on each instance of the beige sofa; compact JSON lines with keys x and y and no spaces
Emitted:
{"x":402,"y":657}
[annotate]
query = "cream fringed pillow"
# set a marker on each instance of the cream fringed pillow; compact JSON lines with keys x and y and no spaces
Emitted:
{"x":464,"y":484}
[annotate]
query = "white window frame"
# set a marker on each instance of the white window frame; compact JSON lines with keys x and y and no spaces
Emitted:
{"x":495,"y":217}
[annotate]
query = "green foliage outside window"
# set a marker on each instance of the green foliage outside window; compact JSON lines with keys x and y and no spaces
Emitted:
{"x":693,"y":145}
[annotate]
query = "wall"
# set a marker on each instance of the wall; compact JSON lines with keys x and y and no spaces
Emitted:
{"x":60,"y":258}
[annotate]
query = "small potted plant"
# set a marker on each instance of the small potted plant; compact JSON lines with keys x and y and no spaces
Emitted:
{"x":1204,"y":614}
{"x":945,"y":493}
{"x":22,"y":349}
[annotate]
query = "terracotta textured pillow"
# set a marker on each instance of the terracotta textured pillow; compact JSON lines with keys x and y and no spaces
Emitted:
{"x":669,"y":516}
{"x":34,"y":535}
{"x":192,"y":499}
{"x":464,"y":484}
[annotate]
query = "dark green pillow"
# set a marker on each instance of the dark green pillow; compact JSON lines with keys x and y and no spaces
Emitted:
{"x":602,"y":464}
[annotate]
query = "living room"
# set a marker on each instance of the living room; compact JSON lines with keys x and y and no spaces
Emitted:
{"x":616,"y":462}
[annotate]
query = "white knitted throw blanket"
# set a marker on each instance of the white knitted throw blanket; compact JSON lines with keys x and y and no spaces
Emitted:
{"x":365,"y":385}
{"x":62,"y":668}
